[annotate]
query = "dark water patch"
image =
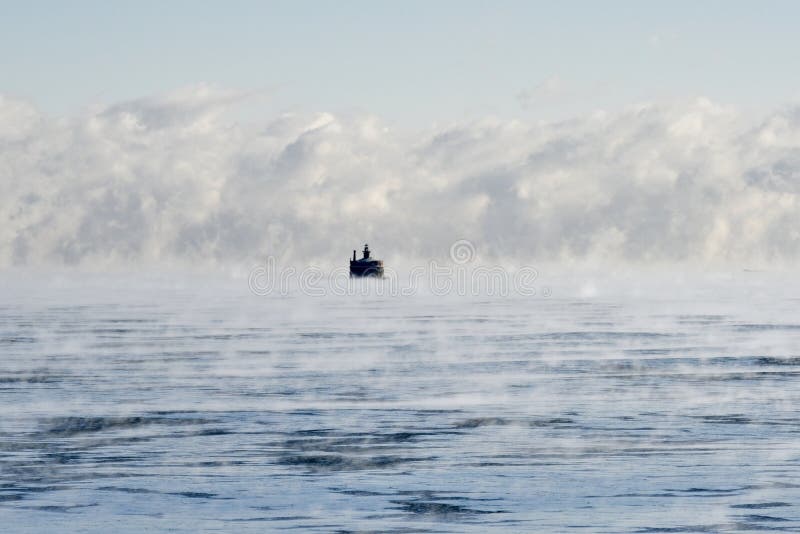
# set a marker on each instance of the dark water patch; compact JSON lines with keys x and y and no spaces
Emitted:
{"x":355,"y":396}
{"x":638,"y":452}
{"x":191,"y":434}
{"x":555,"y":421}
{"x":688,"y":528}
{"x":94,"y":441}
{"x":115,"y":459}
{"x":359,"y":493}
{"x":708,"y":492}
{"x":338,"y":462}
{"x":486,"y":463}
{"x":174,"y":356}
{"x":283,"y":392}
{"x":349,"y":441}
{"x":432,"y":495}
{"x":212,"y":432}
{"x":193,"y":494}
{"x":62,"y":457}
{"x":724,"y":419}
{"x":629,"y":495}
{"x":399,"y":437}
{"x":127,"y":490}
{"x":14,"y":340}
{"x":760,"y":505}
{"x":70,"y":426}
{"x":599,"y":335}
{"x":701,"y":319}
{"x":759,"y":518}
{"x":212,"y":463}
{"x":64,"y":509}
{"x":32,"y":489}
{"x":225,"y":337}
{"x":182,"y":355}
{"x":764,"y":326}
{"x":477,"y":422}
{"x":145,"y":491}
{"x":59,"y":479}
{"x":653,"y":352}
{"x":31,"y":379}
{"x":775,"y":484}
{"x":247,"y":519}
{"x":104,"y":332}
{"x":307,"y":413}
{"x":441,"y":510}
{"x":173,"y":412}
{"x":291,"y":518}
{"x":317,"y":335}
{"x":129,"y":320}
{"x":743,"y":526}
{"x":312,"y":431}
{"x":739,"y":376}
{"x":791,"y":361}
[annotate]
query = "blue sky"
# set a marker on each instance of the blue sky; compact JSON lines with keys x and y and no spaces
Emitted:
{"x":408,"y":62}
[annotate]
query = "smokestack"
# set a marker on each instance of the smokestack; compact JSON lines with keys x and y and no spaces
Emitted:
{"x":354,"y":255}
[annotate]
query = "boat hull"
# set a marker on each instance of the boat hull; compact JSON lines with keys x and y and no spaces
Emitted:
{"x":366,"y":269}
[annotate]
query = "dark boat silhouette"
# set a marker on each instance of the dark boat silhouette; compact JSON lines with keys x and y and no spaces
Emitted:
{"x":366,"y":266}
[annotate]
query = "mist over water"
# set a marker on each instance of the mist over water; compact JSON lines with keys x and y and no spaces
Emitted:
{"x":176,"y":179}
{"x":617,"y":404}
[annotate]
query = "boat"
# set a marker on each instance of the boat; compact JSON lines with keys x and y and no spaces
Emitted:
{"x":366,"y":266}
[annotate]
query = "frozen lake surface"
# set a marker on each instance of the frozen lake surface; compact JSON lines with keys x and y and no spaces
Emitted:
{"x":133,"y":406}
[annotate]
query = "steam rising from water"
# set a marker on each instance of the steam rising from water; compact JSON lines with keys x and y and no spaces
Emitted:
{"x":194,"y":405}
{"x":172,"y":179}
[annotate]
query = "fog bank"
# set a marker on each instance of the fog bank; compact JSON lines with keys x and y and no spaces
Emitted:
{"x":174,"y":179}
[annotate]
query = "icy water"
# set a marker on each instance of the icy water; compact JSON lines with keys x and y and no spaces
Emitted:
{"x":137,"y":408}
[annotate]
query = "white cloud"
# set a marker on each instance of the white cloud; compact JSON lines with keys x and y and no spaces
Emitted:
{"x":170,"y":178}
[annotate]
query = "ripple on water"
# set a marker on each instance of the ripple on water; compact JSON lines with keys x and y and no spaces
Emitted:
{"x":532,"y":415}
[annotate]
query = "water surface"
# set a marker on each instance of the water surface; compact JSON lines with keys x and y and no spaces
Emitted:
{"x":144,"y":407}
